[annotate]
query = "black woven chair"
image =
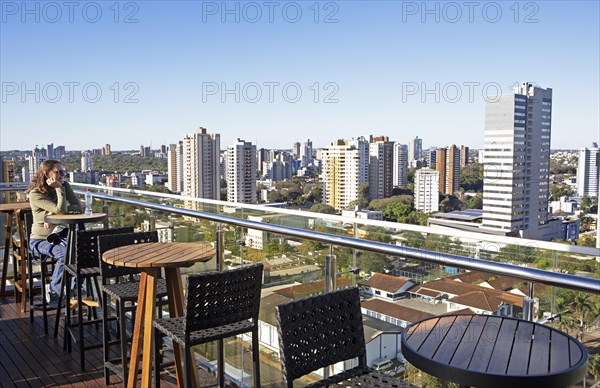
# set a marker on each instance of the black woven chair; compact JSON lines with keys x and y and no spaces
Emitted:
{"x":85,"y":270}
{"x":47,"y":265}
{"x":218,"y":305}
{"x":121,"y":285}
{"x":323,"y":330}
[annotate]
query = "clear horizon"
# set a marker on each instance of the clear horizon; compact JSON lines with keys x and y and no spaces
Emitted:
{"x":273,"y":73}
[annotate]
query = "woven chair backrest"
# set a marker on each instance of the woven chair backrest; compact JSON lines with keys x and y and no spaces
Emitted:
{"x":119,"y":240}
{"x":87,"y":245}
{"x":219,"y":298}
{"x":319,"y":331}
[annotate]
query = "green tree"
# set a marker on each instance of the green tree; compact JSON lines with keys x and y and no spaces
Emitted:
{"x":594,"y":365}
{"x":451,"y":203}
{"x":413,"y":239}
{"x":583,"y":305}
{"x":475,"y":202}
{"x":471,"y":177}
{"x":559,"y":191}
{"x":397,"y":211}
{"x":373,"y":262}
{"x":586,"y":240}
{"x":322,"y":208}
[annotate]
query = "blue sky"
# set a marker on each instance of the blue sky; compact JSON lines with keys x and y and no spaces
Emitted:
{"x":298,"y":70}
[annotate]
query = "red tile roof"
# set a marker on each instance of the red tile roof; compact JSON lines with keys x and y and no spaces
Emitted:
{"x":387,"y":283}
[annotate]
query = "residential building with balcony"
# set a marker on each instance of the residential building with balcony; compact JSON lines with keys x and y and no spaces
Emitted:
{"x":448,"y":165}
{"x":588,"y":171}
{"x":201,"y":164}
{"x":517,"y":162}
{"x":345,"y":169}
{"x":427,"y":192}
{"x":241,"y":172}
{"x":400,"y":178}
{"x":381,"y":167}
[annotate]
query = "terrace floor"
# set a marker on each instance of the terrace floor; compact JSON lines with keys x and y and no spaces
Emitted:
{"x":29,"y":358}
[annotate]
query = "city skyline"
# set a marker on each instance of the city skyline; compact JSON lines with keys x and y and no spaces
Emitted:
{"x":399,"y":69}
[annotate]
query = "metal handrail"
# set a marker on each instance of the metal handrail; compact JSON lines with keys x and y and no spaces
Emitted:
{"x":577,"y":283}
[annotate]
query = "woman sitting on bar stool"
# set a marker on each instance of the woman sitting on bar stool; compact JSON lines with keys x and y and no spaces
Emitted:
{"x":49,"y":193}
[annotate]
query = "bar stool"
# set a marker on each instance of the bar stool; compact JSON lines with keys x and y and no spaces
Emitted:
{"x":118,"y":283}
{"x":47,"y":265}
{"x":86,"y":269}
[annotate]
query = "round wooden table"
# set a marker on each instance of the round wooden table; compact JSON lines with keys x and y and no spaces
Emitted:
{"x":150,"y":258}
{"x":71,"y":220}
{"x":494,"y":351}
{"x":9,"y":209}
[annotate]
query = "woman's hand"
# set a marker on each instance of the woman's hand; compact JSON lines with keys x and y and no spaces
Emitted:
{"x":53,"y":183}
{"x":46,"y":226}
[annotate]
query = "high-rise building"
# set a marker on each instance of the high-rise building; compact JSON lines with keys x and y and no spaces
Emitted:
{"x":59,"y":152}
{"x":427,"y":191}
{"x":345,"y":169}
{"x":201,"y":164}
{"x":517,"y":162}
{"x":381,"y":167}
{"x":50,"y":151}
{"x":106,"y":149}
{"x":296,"y":150}
{"x":306,"y":153}
{"x":179,"y":166}
{"x":464,"y":156}
{"x":172,"y":168}
{"x":448,"y":165}
{"x":400,"y":178}
{"x":86,"y":161}
{"x":588,"y":171}
{"x":431,"y":157}
{"x":241,"y":172}
{"x":37,"y":157}
{"x":415,"y":147}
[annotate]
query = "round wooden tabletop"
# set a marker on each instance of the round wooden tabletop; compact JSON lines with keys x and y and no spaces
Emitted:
{"x":494,"y":351}
{"x":12,"y":207}
{"x":66,"y":219}
{"x":158,"y":254}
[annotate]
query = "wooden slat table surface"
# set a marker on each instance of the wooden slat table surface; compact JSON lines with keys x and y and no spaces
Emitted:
{"x":494,"y":351}
{"x":147,"y":255}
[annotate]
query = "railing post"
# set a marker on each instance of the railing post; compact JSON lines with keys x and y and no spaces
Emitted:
{"x":219,"y":247}
{"x":105,"y":210}
{"x":529,"y":304}
{"x":330,"y":270}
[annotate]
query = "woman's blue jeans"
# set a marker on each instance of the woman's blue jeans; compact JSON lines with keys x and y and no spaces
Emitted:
{"x":41,"y":248}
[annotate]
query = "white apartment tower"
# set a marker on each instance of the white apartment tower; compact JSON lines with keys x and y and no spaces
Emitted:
{"x":400,"y":177}
{"x":415,"y":147}
{"x":345,"y":169}
{"x":241,"y":172}
{"x":201,"y":164}
{"x":427,"y":190}
{"x":381,"y":167}
{"x":588,"y":171}
{"x":86,"y":161}
{"x":517,"y":161}
{"x":34,"y":160}
{"x":174,"y":167}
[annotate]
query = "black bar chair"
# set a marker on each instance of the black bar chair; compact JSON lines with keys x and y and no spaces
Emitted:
{"x":218,"y":305}
{"x":86,"y":269}
{"x":323,"y":330}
